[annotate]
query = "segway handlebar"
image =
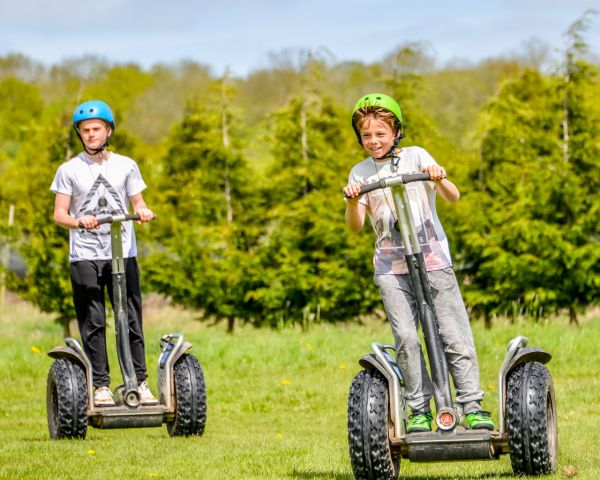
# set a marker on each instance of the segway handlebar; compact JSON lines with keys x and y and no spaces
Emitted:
{"x":391,"y":181}
{"x":117,"y":217}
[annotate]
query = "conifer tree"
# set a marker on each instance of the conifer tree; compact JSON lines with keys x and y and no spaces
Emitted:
{"x":533,"y":249}
{"x":312,"y":267}
{"x":204,"y":231}
{"x":43,"y":245}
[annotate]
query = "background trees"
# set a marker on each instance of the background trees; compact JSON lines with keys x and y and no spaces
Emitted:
{"x":245,"y":175}
{"x":202,"y":241}
{"x":534,"y":247}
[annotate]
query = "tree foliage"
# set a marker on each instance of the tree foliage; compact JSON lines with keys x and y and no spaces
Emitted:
{"x":245,"y":175}
{"x":43,"y":245}
{"x":204,"y":233}
{"x":311,"y":267}
{"x":533,"y":248}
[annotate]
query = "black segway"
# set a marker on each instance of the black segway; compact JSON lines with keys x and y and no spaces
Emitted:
{"x":70,"y":390}
{"x":377,"y":410}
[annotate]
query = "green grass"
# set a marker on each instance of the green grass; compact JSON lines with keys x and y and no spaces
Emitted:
{"x":276,"y":403}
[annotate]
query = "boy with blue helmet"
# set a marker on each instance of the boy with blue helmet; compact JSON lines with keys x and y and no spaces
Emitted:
{"x":94,"y":109}
{"x":377,"y":122}
{"x":98,"y":182}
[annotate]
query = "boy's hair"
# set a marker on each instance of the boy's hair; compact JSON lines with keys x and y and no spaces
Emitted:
{"x":364,"y":114}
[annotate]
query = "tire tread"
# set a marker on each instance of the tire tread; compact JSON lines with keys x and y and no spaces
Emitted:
{"x":368,"y":419}
{"x":190,"y":398}
{"x":529,"y":387}
{"x":67,"y":386}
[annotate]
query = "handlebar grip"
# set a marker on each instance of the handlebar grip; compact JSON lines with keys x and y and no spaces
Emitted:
{"x":390,"y":181}
{"x":369,"y":187}
{"x":117,"y":218}
{"x":415,"y":177}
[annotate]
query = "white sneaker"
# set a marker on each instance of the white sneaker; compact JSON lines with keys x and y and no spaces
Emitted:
{"x":146,"y":397}
{"x":103,"y":397}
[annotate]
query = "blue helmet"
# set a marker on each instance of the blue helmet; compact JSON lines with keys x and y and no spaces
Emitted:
{"x":93,"y":109}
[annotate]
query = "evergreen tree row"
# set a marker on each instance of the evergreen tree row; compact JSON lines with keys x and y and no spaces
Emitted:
{"x":245,"y":176}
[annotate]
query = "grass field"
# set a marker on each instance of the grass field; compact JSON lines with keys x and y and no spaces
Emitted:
{"x":276,"y":403}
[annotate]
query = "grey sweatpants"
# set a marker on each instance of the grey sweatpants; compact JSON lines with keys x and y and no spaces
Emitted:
{"x":455,"y":331}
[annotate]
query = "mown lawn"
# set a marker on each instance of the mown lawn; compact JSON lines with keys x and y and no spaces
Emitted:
{"x":276,"y":403}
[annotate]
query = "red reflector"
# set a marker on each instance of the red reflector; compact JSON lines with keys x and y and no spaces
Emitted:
{"x":446,"y":419}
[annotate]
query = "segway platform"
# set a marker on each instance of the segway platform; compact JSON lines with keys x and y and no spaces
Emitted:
{"x":460,"y":444}
{"x":122,"y":416}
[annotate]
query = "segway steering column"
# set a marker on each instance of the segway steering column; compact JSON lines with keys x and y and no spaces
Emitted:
{"x":446,"y":415}
{"x":131,"y":395}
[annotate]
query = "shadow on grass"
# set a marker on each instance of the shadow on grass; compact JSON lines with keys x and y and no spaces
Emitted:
{"x":312,"y":475}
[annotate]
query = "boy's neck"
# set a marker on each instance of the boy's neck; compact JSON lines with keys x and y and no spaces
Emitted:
{"x":382,"y":160}
{"x":99,"y":157}
{"x":387,"y":158}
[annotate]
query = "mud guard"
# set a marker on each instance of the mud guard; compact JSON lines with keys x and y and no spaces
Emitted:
{"x":74,"y":351}
{"x":521,"y":354}
{"x":395,"y":381}
{"x":167,"y":359}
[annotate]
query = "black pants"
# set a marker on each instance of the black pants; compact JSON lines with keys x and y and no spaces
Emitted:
{"x":89,"y":280}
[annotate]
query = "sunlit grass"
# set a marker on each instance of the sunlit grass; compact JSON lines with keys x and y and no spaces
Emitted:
{"x":276,"y":402}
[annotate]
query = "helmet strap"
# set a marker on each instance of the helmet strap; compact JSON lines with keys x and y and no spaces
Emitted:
{"x":88,"y":150}
{"x":390,"y":154}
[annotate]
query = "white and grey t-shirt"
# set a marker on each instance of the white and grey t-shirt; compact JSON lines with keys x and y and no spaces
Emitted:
{"x":99,"y":189}
{"x":389,"y":251}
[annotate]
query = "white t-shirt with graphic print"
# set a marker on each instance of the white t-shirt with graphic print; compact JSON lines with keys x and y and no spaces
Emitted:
{"x":99,"y":189}
{"x":389,"y":251}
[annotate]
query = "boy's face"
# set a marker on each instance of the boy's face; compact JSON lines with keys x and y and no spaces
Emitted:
{"x":377,"y":137}
{"x":94,"y":132}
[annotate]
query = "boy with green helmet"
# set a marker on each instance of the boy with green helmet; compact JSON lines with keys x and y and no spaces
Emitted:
{"x":98,"y":182}
{"x":382,"y":101}
{"x":377,"y":122}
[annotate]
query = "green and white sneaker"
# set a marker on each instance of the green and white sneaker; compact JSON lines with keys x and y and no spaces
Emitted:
{"x":479,"y":420}
{"x":419,"y":422}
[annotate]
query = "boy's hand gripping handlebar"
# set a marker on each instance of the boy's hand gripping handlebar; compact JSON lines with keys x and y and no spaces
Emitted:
{"x":391,"y":181}
{"x":117,"y":217}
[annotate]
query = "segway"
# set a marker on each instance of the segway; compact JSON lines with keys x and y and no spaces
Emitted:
{"x":70,"y":387}
{"x":377,"y":409}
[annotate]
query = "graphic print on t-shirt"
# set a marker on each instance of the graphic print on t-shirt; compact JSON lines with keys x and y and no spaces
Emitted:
{"x":389,"y":255}
{"x":101,"y":200}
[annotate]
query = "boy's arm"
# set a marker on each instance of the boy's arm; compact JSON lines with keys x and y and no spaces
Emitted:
{"x":355,"y":211}
{"x":62,"y":203}
{"x":140,"y":207}
{"x":447,"y":190}
{"x":355,"y":214}
{"x":443,"y":186}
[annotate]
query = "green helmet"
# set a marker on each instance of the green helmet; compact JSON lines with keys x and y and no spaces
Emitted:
{"x":377,"y":100}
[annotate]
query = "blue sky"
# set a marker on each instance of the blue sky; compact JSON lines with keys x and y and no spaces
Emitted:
{"x":241,"y":35}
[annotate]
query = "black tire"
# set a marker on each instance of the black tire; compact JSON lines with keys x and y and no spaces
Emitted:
{"x":190,"y":398}
{"x":368,"y":424}
{"x":66,"y":399}
{"x":531,"y":420}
